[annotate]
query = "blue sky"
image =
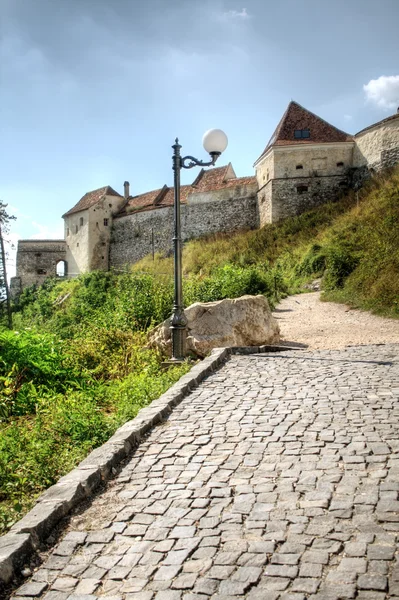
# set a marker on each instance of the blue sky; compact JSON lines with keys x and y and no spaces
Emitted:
{"x":93,"y":92}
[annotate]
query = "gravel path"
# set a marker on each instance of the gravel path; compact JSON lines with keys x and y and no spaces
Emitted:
{"x":305,"y":320}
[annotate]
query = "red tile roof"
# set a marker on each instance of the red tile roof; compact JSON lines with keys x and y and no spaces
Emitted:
{"x":298,"y":117}
{"x":206,"y":181}
{"x":92,"y":198}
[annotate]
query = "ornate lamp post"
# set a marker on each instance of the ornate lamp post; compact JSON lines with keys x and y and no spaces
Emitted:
{"x":214,"y":142}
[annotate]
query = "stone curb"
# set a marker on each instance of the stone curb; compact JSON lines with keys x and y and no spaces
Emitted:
{"x":24,"y":538}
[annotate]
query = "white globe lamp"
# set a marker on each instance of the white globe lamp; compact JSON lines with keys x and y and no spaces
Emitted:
{"x":215,"y":141}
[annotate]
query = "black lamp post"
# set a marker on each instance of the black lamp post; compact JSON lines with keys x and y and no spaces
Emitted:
{"x":214,"y":142}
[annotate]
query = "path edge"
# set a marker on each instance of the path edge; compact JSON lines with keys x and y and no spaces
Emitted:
{"x":24,"y":538}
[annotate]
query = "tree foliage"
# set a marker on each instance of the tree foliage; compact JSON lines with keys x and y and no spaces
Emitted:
{"x":5,"y":305}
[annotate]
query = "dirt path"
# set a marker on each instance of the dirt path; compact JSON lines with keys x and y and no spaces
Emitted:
{"x":305,"y":320}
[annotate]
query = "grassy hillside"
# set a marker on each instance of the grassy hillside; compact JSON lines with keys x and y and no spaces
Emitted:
{"x":352,"y":243}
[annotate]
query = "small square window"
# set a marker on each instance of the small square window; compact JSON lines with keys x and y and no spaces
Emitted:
{"x":301,"y":189}
{"x":340,"y":164}
{"x":301,"y":133}
{"x":299,"y":167}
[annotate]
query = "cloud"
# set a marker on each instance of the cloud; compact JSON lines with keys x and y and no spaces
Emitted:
{"x":348,"y":117}
{"x":383,"y":92}
{"x":235,"y":14}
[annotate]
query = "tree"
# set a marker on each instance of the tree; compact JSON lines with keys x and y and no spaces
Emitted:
{"x":5,"y":303}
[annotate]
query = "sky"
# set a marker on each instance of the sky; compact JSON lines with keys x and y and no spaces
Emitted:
{"x":94,"y":92}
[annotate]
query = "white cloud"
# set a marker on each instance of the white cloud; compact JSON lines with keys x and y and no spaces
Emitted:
{"x":348,"y":117}
{"x":383,"y":92}
{"x":235,"y":14}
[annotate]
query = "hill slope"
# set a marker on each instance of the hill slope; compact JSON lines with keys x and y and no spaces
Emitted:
{"x":352,"y":243}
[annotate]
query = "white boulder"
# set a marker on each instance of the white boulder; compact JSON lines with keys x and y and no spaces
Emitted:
{"x":245,"y":321}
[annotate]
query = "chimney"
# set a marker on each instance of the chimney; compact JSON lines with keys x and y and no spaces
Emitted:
{"x":126,"y":186}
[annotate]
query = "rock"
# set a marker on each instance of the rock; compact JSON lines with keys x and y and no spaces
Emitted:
{"x":245,"y":321}
{"x":314,"y":286}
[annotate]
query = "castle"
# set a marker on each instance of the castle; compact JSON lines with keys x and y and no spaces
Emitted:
{"x":306,"y":162}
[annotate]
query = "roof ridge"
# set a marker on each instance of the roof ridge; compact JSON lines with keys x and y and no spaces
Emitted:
{"x":198,"y":178}
{"x":161,"y":195}
{"x":320,"y":118}
{"x":292,"y":117}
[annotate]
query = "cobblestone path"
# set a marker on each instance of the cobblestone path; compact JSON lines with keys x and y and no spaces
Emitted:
{"x":276,"y":479}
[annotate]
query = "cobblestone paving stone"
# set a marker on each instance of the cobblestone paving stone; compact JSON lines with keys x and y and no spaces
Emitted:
{"x":276,"y":479}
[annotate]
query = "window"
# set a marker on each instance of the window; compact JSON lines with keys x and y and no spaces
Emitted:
{"x":77,"y":245}
{"x":299,"y":167}
{"x":105,"y":222}
{"x":301,"y":189}
{"x":302,"y":133}
{"x":38,"y":254}
{"x":340,"y":164}
{"x":67,"y":231}
{"x":76,"y":229}
{"x":81,"y":221}
{"x":61,"y":268}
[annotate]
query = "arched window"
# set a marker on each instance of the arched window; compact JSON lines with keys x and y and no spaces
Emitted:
{"x":62,"y":268}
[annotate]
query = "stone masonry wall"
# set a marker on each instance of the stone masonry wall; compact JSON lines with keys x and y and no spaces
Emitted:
{"x":289,"y":201}
{"x":377,"y":147}
{"x":132,"y":235}
{"x":38,"y":259}
{"x":265,"y":204}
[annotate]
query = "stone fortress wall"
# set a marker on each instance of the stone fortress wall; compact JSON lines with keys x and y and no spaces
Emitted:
{"x":289,"y":180}
{"x":136,"y":235}
{"x":37,"y":260}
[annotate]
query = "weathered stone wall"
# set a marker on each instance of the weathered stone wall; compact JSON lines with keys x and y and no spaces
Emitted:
{"x":132,"y":235}
{"x":378,"y":146}
{"x":88,"y":237}
{"x":305,"y":161}
{"x":38,"y":259}
{"x":288,"y":200}
{"x":265,"y":169}
{"x":265,"y":204}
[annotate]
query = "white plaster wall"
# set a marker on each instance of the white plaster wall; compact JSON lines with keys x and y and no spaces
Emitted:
{"x":322,"y":158}
{"x":265,"y":169}
{"x":238,"y":191}
{"x":371,"y":143}
{"x":77,"y":239}
{"x":88,"y":247}
{"x":264,"y":200}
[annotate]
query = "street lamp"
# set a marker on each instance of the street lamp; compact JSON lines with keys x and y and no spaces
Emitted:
{"x":214,"y":142}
